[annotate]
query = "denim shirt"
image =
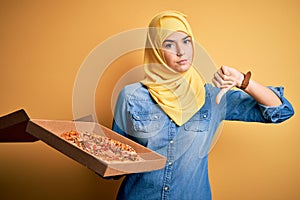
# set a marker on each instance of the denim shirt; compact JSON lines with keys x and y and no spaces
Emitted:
{"x":185,"y":175}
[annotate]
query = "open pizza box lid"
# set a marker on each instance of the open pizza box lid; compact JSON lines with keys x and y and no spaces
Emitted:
{"x":49,"y":131}
{"x":13,"y":127}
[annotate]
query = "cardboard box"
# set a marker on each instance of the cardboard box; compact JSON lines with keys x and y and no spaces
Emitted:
{"x":49,"y":132}
{"x":13,"y":127}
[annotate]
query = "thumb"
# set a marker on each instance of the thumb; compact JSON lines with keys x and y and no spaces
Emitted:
{"x":220,"y":94}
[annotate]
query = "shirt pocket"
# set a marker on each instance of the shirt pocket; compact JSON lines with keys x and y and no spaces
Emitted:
{"x":147,"y":123}
{"x":199,"y":122}
{"x":197,"y":129}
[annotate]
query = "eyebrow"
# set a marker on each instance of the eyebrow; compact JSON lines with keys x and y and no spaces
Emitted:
{"x":174,"y":40}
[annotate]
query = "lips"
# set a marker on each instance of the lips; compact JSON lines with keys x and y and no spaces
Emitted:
{"x":182,"y":62}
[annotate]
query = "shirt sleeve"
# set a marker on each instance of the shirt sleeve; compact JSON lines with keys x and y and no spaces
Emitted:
{"x":242,"y":107}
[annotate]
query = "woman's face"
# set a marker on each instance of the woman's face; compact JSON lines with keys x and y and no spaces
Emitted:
{"x":178,"y":51}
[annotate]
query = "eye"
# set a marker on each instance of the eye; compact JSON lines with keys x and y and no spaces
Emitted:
{"x":168,"y":45}
{"x":187,"y":41}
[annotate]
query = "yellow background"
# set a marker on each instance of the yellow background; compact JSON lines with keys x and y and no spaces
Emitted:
{"x":43,"y":43}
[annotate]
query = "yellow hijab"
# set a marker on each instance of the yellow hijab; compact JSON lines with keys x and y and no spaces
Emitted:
{"x":180,"y":95}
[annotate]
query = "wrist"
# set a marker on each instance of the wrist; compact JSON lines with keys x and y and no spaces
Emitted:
{"x":240,"y":79}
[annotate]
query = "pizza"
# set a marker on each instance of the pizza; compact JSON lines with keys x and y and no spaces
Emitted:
{"x":102,"y":147}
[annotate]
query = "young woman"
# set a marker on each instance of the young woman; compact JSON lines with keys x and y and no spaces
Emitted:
{"x":175,"y":113}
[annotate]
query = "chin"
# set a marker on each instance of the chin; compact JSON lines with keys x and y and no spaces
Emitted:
{"x":183,"y":68}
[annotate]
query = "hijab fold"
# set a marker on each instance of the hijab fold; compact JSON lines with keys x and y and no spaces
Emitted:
{"x":180,"y":95}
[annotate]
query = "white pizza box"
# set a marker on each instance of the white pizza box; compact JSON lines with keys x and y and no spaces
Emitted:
{"x":49,"y":131}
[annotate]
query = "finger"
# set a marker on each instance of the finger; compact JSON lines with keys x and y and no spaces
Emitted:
{"x":226,"y":73}
{"x":221,"y":94}
{"x":227,"y":84}
{"x":225,"y":70}
{"x":223,"y":73}
{"x":216,"y":83}
{"x":218,"y":77}
{"x":219,"y":82}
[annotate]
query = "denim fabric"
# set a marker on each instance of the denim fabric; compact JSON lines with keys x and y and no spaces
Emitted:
{"x":186,"y":147}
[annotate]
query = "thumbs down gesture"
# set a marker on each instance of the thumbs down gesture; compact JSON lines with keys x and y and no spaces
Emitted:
{"x":226,"y":78}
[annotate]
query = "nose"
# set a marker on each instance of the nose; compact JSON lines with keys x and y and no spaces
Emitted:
{"x":180,"y":51}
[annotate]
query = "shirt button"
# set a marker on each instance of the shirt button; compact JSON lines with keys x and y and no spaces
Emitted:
{"x":171,"y":141}
{"x":170,"y":163}
{"x":166,"y":188}
{"x":204,"y":116}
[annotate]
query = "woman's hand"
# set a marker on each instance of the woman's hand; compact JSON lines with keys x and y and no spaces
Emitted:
{"x":225,"y":79}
